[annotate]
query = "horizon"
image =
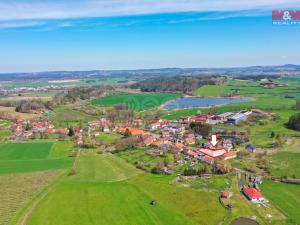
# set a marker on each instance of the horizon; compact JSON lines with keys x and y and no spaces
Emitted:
{"x":64,"y":36}
{"x":158,"y":68}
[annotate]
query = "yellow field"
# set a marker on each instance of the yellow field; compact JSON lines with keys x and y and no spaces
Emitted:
{"x":10,"y":113}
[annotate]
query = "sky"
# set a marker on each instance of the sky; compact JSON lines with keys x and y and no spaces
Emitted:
{"x":51,"y":35}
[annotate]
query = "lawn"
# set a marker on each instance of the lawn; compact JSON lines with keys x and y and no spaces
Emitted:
{"x":28,"y":157}
{"x":107,"y":190}
{"x":108,"y":138}
{"x":136,"y":102}
{"x":285,"y":196}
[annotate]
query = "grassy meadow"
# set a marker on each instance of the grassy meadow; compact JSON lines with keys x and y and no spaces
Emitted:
{"x":285,"y":196}
{"x":18,"y":189}
{"x":136,"y":102}
{"x":107,"y":190}
{"x":29,"y":157}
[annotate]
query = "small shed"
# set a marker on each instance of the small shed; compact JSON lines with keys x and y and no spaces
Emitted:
{"x":251,"y":147}
{"x":226,"y":195}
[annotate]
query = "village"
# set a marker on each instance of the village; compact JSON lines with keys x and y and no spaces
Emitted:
{"x":161,"y":136}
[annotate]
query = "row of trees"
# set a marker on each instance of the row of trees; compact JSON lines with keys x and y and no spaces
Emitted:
{"x":82,"y":93}
{"x":185,"y":84}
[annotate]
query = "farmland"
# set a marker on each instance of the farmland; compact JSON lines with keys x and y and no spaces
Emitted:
{"x":103,"y":194}
{"x":28,"y":157}
{"x":17,"y":190}
{"x":136,"y":102}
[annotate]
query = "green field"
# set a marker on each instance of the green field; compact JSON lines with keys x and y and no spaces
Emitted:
{"x":107,"y":190}
{"x":18,"y":189}
{"x":136,"y":102}
{"x":27,"y":157}
{"x":66,"y":116}
{"x":286,"y":164}
{"x":285,"y":196}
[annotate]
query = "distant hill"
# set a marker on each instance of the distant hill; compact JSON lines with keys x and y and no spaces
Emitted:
{"x":288,"y":69}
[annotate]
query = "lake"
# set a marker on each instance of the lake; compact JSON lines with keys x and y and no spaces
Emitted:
{"x":195,"y":102}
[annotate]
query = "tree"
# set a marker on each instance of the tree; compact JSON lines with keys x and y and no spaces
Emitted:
{"x":71,"y":132}
{"x":279,"y":140}
{"x":294,"y":122}
{"x":298,"y":104}
{"x":272,"y":134}
{"x":222,"y":166}
{"x":199,"y":128}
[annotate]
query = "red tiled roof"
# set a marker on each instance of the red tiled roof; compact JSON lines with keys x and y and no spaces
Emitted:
{"x":252,"y":193}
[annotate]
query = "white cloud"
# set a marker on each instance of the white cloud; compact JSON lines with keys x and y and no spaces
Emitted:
{"x":19,"y":24}
{"x":68,"y":9}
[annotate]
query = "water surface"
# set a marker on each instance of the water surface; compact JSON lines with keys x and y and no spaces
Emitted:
{"x":195,"y":102}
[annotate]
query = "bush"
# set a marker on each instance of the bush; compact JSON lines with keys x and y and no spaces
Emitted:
{"x":294,"y":122}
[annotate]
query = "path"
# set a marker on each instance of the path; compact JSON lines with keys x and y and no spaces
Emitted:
{"x":29,"y":212}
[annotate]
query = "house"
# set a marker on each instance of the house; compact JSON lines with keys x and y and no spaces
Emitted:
{"x":184,"y":119}
{"x":251,"y":147}
{"x":95,"y":124}
{"x":253,"y":194}
{"x":201,"y":118}
{"x":229,"y":155}
{"x":190,"y":139}
{"x":207,"y":159}
{"x":62,"y":131}
{"x":106,"y":130}
{"x":154,"y":126}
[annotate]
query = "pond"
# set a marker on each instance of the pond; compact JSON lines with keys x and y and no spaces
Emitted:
{"x":244,"y":221}
{"x":194,"y":102}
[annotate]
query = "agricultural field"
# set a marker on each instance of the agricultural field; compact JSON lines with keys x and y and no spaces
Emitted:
{"x":10,"y":113}
{"x":285,"y":196}
{"x":75,"y":83}
{"x":29,"y":157}
{"x":17,"y":190}
{"x":66,"y":116}
{"x":136,"y":102}
{"x":105,"y":184}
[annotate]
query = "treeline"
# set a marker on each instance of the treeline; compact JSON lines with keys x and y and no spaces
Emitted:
{"x":26,"y":105}
{"x":259,"y":77}
{"x":185,"y":84}
{"x":80,"y":93}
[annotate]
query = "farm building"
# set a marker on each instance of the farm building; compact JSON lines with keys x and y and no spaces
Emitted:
{"x":214,"y":153}
{"x":254,"y":195}
{"x":235,"y":119}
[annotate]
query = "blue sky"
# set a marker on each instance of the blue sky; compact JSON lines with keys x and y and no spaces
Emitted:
{"x":49,"y":35}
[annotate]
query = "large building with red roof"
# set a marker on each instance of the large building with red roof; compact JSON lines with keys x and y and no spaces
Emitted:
{"x":253,"y":194}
